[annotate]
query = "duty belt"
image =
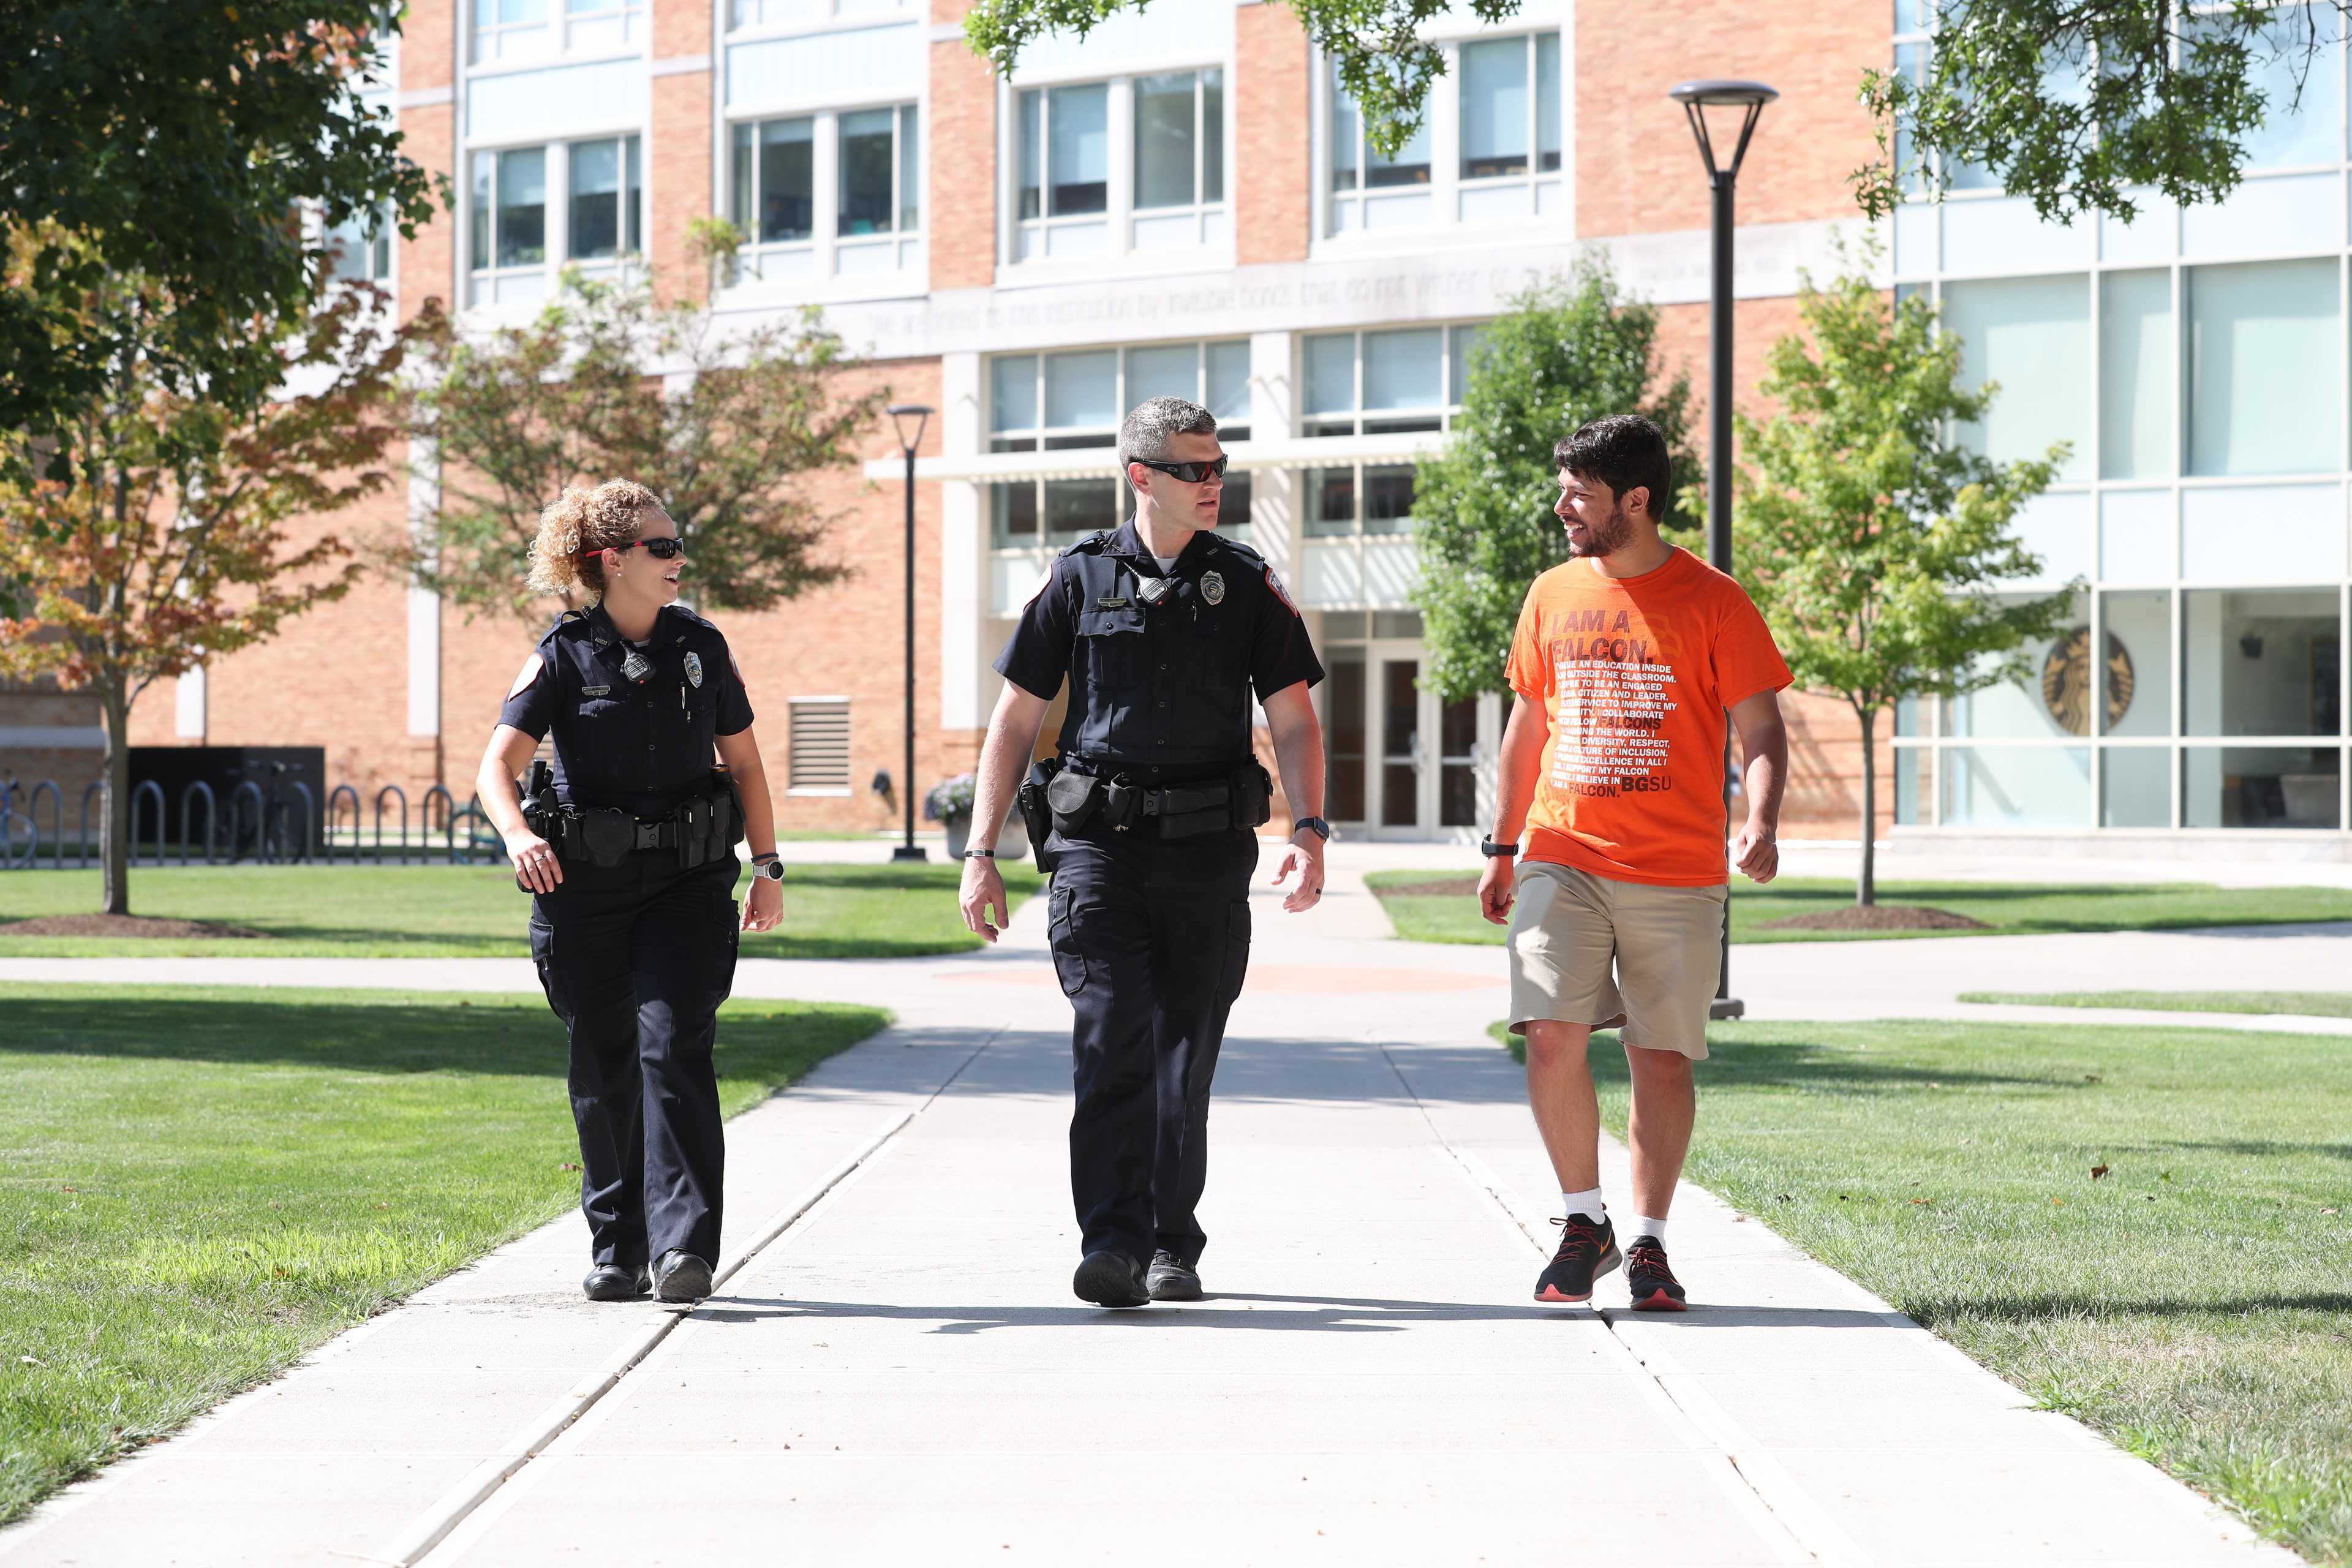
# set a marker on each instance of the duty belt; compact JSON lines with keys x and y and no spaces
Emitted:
{"x":1240,"y":799}
{"x":701,"y":828}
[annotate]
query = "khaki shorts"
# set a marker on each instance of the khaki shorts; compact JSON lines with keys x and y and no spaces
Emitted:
{"x":1567,"y":926}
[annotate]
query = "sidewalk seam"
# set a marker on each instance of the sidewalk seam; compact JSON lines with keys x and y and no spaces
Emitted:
{"x":432,"y":1527}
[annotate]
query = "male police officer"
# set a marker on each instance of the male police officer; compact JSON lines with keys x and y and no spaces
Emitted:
{"x":1163,"y":628}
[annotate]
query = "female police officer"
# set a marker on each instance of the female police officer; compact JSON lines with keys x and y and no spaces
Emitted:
{"x":631,"y":857}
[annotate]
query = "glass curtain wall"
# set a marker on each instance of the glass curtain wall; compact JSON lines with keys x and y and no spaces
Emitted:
{"x":2193,"y":364}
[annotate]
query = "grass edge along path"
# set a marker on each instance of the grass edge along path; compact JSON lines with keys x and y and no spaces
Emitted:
{"x":2286,"y":1003}
{"x":831,"y":911}
{"x":2011,"y":908}
{"x":2144,"y":1227}
{"x":199,"y":1186}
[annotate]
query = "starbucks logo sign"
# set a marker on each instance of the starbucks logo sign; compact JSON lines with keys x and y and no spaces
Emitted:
{"x":2066,"y":681}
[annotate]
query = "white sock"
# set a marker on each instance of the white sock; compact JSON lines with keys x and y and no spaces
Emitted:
{"x":1656,"y":1229}
{"x":1587,"y":1203}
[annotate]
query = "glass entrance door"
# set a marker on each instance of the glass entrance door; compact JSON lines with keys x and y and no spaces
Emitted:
{"x":1399,"y":763}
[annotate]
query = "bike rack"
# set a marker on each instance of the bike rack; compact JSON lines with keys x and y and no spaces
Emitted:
{"x":449,"y":820}
{"x":333,"y":796}
{"x":392,"y":789}
{"x":9,"y":815}
{"x":91,"y":791}
{"x":212,"y":819}
{"x":57,"y":821}
{"x":236,"y":824}
{"x":310,"y":811}
{"x":146,"y":788}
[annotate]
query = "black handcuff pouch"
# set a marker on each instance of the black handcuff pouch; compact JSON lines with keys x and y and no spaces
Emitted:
{"x":605,"y":835}
{"x":1073,"y":799}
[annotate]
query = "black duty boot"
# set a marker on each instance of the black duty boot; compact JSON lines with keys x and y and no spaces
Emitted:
{"x":681,"y":1277}
{"x":611,"y":1282}
{"x":1170,"y":1279}
{"x":1110,"y":1279}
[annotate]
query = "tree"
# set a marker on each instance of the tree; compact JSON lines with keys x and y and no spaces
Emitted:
{"x":174,"y":140}
{"x":155,"y":536}
{"x":574,"y":395}
{"x":1875,"y":544}
{"x":1563,"y":351}
{"x":2074,"y":102}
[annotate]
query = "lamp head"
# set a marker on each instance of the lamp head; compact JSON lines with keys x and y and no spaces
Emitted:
{"x":1722,"y":92}
{"x":911,"y":418}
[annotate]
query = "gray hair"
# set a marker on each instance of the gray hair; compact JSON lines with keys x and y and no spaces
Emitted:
{"x":1143,"y":434}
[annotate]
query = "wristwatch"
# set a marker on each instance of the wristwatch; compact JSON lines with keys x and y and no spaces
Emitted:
{"x":1495,"y":851}
{"x":1322,"y":828}
{"x":772,"y":868}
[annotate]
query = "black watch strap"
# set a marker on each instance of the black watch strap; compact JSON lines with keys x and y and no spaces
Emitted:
{"x":1322,"y":828}
{"x":1495,"y":851}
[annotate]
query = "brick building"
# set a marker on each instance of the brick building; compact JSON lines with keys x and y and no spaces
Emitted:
{"x":1183,"y":203}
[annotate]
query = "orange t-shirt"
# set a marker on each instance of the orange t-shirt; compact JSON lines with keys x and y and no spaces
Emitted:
{"x":1633,"y":675}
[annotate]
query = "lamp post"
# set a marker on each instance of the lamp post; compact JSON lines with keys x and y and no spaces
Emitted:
{"x":909,"y":418}
{"x":1696,"y":98}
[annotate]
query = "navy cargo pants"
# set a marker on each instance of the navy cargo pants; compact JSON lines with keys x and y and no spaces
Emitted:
{"x":635,"y":959}
{"x":1150,"y":944}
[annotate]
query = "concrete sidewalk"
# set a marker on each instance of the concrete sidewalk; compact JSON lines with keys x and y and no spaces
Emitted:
{"x":900,"y":1372}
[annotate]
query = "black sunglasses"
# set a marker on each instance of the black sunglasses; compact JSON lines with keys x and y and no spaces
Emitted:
{"x":659,"y":549}
{"x":1191,"y":473}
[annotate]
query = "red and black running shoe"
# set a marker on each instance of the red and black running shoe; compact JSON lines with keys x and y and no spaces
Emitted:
{"x":1655,"y":1287}
{"x":1588,"y":1249}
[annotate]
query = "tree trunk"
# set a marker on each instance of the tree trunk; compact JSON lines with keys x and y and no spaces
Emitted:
{"x":1865,"y":887}
{"x":114,"y":819}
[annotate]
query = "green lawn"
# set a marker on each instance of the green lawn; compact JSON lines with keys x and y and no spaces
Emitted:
{"x":475,"y":911}
{"x":196,"y":1186}
{"x":2304,"y":1003}
{"x":2011,"y":908}
{"x":2194,"y":1302}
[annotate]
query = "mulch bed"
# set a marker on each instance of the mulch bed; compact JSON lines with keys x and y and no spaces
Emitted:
{"x":1451,"y":887}
{"x":1876,"y":917}
{"x":123,"y":926}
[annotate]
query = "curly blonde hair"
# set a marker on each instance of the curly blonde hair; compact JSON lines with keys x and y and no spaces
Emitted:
{"x":580,"y":523}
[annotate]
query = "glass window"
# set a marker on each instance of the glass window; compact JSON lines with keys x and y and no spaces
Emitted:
{"x":362,"y":245}
{"x":1549,"y":130}
{"x":1330,"y":503}
{"x":511,"y":207}
{"x":1343,"y":734}
{"x":1229,"y":387}
{"x":2017,"y":786}
{"x":1082,"y":389}
{"x":1074,"y":508}
{"x":2138,"y":663}
{"x":2136,"y":786}
{"x":1032,"y":109}
{"x":1349,"y":152}
{"x":2135,"y":355}
{"x":1332,"y":373}
{"x":2265,"y":392}
{"x":2031,"y":336}
{"x":2047,"y":704}
{"x":2262,"y":663}
{"x":1016,"y":512}
{"x":775,"y":180}
{"x":1913,"y":768}
{"x":1404,"y":369}
{"x":1347,"y":140}
{"x":1167,"y":141}
{"x":910,"y":168}
{"x":1171,"y":370}
{"x":515,"y":29}
{"x":604,"y":220}
{"x":1013,"y":396}
{"x":1078,"y":150}
{"x":2302,"y":98}
{"x":2259,"y":787}
{"x":1495,"y":115}
{"x":868,"y":168}
{"x":1388,"y":498}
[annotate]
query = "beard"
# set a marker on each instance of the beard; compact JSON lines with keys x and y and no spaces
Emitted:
{"x":1606,"y":537}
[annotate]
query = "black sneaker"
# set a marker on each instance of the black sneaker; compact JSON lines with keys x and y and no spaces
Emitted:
{"x":1111,"y":1280}
{"x":1655,"y":1287}
{"x":1170,"y":1279}
{"x":1588,"y":1249}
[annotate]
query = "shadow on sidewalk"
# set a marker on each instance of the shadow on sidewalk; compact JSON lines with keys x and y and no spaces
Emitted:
{"x":1288,"y":1314}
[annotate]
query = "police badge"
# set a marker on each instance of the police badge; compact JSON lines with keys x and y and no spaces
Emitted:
{"x":694,"y":670}
{"x":1212,"y":587}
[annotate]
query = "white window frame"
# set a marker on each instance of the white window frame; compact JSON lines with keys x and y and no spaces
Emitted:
{"x":1023,"y":244}
{"x":487,"y":42}
{"x":771,"y":262}
{"x":1551,"y":201}
{"x":481,"y":283}
{"x":822,"y":13}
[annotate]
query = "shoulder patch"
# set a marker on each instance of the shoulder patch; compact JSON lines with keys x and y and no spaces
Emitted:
{"x":523,"y":679}
{"x":1274,"y":583}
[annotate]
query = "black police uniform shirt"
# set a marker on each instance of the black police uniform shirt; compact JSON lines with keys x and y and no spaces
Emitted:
{"x":1161,"y":690}
{"x":640,"y":746}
